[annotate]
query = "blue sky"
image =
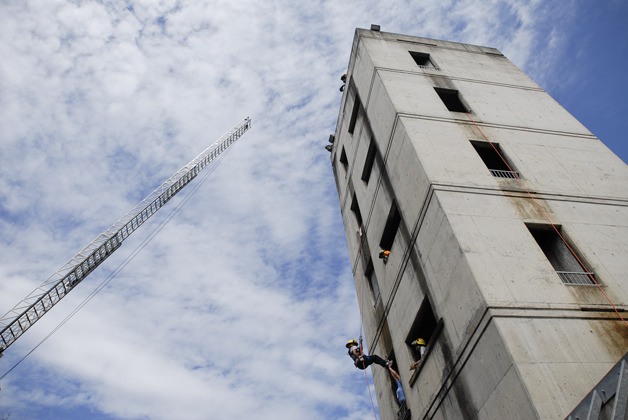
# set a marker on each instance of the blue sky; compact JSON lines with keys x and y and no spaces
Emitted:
{"x":243,"y":303}
{"x":596,"y":53}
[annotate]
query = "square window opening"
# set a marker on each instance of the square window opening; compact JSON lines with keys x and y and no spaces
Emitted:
{"x":562,"y":255}
{"x":422,"y":331}
{"x":355,"y":208}
{"x":371,"y":279}
{"x":452,"y":100}
{"x":390,"y":229}
{"x":354,"y":114}
{"x":495,"y":159}
{"x":370,"y":160}
{"x":422,"y":59}
{"x":344,"y":160}
{"x":396,"y":387}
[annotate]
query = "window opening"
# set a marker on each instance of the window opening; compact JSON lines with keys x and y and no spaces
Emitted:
{"x":372,"y":282}
{"x":355,"y":208}
{"x":421,"y":333}
{"x":370,"y":160}
{"x":354,"y":114}
{"x":422,"y":60}
{"x":404,"y":412}
{"x":560,"y":256}
{"x":452,"y":100}
{"x":395,"y":380}
{"x":493,"y":157}
{"x":391,"y":228}
{"x":344,"y":160}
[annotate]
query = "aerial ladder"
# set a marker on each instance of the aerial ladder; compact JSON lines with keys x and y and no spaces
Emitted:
{"x":34,"y":306}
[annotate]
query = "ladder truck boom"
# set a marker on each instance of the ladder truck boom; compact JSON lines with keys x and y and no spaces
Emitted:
{"x":34,"y":306}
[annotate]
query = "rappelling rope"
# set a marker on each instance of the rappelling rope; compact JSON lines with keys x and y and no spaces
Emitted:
{"x":368,"y":386}
{"x":360,"y":301}
{"x":546,"y":215}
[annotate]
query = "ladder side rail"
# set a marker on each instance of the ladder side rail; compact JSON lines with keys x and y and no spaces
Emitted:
{"x":204,"y":158}
{"x":51,"y":297}
{"x":42,"y":299}
{"x":200,"y":161}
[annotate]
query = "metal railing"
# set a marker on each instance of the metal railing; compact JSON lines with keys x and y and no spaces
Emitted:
{"x":429,"y":66}
{"x":580,"y":278}
{"x":504,"y":174}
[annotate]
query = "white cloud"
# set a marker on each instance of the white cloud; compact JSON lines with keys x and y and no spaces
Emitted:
{"x":241,"y":306}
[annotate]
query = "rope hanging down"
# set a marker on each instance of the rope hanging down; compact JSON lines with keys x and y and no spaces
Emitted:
{"x":360,"y":301}
{"x":547,"y":217}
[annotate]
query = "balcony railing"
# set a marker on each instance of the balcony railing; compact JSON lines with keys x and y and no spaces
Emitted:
{"x":580,"y":278}
{"x":504,"y":174}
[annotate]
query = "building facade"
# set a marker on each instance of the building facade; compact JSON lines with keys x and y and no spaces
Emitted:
{"x":506,"y":223}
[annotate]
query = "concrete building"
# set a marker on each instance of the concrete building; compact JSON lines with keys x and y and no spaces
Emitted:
{"x":507,"y":226}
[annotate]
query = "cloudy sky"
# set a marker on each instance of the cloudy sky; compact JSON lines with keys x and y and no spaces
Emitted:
{"x":241,"y":305}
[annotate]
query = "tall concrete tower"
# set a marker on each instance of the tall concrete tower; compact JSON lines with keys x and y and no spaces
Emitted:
{"x":507,"y":226}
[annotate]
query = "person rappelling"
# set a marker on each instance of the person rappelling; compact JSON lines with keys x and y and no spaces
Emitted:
{"x":362,"y":360}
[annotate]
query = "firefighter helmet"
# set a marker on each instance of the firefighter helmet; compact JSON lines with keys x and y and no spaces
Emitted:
{"x":418,"y":342}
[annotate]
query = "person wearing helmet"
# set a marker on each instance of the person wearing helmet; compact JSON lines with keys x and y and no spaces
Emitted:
{"x":419,"y":346}
{"x":361,"y":360}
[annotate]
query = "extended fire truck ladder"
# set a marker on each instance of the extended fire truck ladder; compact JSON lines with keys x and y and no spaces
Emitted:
{"x":34,"y":306}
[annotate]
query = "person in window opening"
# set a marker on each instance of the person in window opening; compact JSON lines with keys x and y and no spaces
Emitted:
{"x":401,"y":396}
{"x":419,"y":346}
{"x":362,"y":361}
{"x":384,"y":254}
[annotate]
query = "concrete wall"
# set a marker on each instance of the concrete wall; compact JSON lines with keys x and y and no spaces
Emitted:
{"x":512,"y":339}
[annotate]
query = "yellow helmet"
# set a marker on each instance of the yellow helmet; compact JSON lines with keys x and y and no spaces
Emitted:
{"x":418,"y":342}
{"x":351,"y":343}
